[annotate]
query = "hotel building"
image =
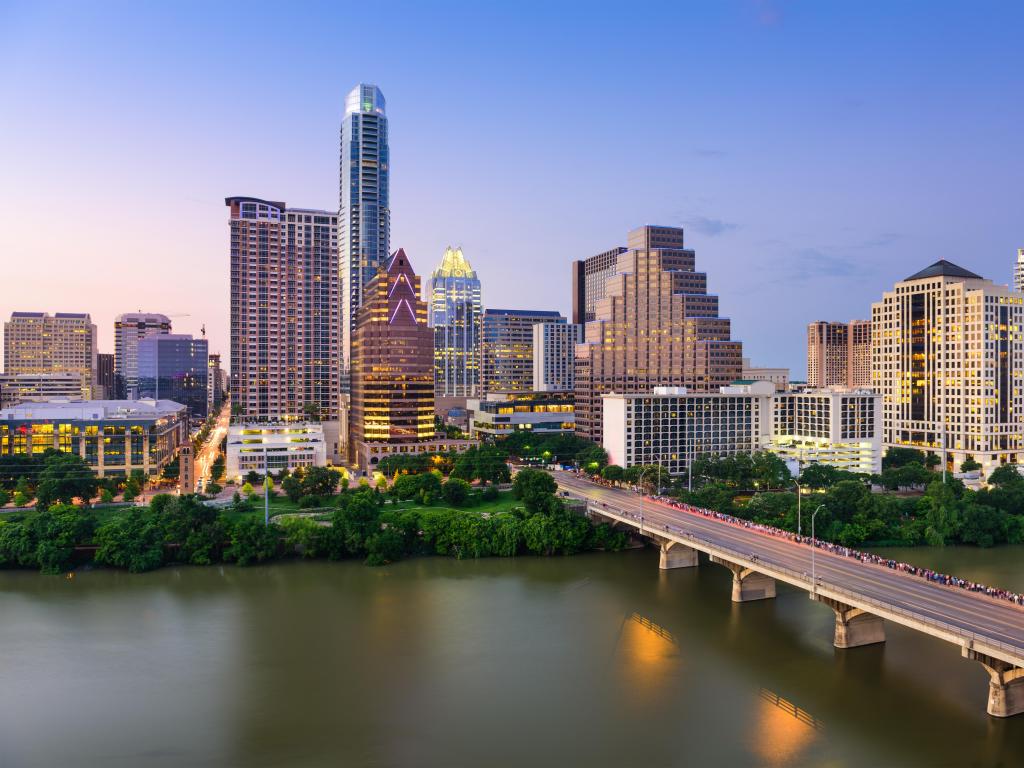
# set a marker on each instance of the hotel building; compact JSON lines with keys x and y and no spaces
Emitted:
{"x":113,"y":437}
{"x":839,"y":354}
{"x":837,"y":426}
{"x":948,"y":358}
{"x":175,"y":366}
{"x":40,"y":343}
{"x":129,"y":330}
{"x":540,"y":413}
{"x":554,"y":347}
{"x":656,"y":325}
{"x":507,"y":349}
{"x":456,"y":317}
{"x":589,"y":277}
{"x":285,"y":314}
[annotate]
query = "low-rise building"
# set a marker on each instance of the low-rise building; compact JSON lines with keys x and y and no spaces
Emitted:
{"x":368,"y":455}
{"x":777,"y":376}
{"x":264,"y":447}
{"x":500,"y":414}
{"x":113,"y":437}
{"x":39,"y":387}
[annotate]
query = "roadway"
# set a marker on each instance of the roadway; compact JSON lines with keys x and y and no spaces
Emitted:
{"x":208,"y":451}
{"x":990,"y":619}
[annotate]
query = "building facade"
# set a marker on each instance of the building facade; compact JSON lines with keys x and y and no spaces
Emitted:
{"x":589,"y":277}
{"x":1018,"y":272}
{"x":839,"y":354}
{"x":539,"y":413}
{"x":175,"y":366}
{"x":656,"y":325}
{"x":114,"y":437}
{"x":364,"y":202}
{"x":129,"y":329}
{"x":507,"y":348}
{"x":948,"y":358}
{"x":456,"y":316}
{"x":554,"y":351}
{"x":39,"y":387}
{"x":837,"y":426}
{"x":273,"y":446}
{"x":285,"y":313}
{"x":392,"y":362}
{"x":105,"y":383}
{"x":214,"y":383}
{"x":779,"y":377}
{"x":40,"y":343}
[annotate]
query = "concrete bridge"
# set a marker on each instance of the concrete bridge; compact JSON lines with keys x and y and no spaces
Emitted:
{"x":863,"y":596}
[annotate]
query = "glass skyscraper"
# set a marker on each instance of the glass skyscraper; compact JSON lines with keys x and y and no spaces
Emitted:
{"x":455,"y":315}
{"x":174,"y":366}
{"x":364,"y":214}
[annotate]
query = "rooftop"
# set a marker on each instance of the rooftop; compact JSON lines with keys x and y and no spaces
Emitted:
{"x":92,"y":410}
{"x":943,"y":268}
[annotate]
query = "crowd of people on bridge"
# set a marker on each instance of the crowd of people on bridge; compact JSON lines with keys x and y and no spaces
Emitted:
{"x":838,"y":549}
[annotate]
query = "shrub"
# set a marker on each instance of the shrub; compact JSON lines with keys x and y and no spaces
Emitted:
{"x":309,"y":502}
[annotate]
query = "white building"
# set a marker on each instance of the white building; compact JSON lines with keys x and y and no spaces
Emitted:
{"x":948,"y":359}
{"x":1018,"y":271}
{"x":541,"y":413}
{"x":271,"y":447}
{"x":835,"y":426}
{"x":554,"y":348}
{"x":777,"y":376}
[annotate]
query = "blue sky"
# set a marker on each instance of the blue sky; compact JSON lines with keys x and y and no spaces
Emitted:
{"x":816,"y":152}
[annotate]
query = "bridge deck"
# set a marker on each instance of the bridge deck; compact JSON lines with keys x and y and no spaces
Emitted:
{"x":969,"y":619}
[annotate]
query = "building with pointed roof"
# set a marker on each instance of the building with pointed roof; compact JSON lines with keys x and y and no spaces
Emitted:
{"x":947,"y":355}
{"x":455,"y":315}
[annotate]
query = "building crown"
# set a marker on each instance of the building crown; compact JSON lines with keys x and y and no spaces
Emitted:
{"x":454,"y":264}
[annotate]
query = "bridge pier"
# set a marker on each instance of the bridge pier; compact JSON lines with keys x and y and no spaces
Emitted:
{"x":1005,"y":687}
{"x":676,"y":555}
{"x":854,"y":627}
{"x":747,"y":584}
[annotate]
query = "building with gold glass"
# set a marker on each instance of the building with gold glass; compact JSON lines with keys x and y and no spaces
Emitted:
{"x":655,"y":325}
{"x":947,"y":355}
{"x":114,"y":437}
{"x":40,"y":343}
{"x":455,"y":316}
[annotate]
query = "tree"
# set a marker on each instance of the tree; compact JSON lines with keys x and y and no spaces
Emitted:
{"x":252,"y":542}
{"x":64,"y":478}
{"x":217,"y":468}
{"x":24,"y":490}
{"x":320,"y":481}
{"x":456,"y":492}
{"x":131,"y":541}
{"x":56,"y":531}
{"x":532,"y":486}
{"x":613,"y":473}
{"x":983,"y":525}
{"x":969,"y":465}
{"x":769,"y":470}
{"x":247,"y":489}
{"x":897,"y":457}
{"x":212,"y":489}
{"x":106,"y":496}
{"x":4,"y":497}
{"x":1006,"y":475}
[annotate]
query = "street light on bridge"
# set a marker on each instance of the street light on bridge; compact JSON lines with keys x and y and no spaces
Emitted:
{"x":814,"y":546}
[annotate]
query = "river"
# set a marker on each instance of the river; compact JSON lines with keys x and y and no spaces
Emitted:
{"x":596,"y":660}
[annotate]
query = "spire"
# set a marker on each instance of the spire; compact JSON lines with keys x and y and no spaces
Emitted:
{"x":454,"y":264}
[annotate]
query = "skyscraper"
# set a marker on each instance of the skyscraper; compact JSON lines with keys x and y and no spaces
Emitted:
{"x":839,"y":354}
{"x":507,"y":348}
{"x":364,"y":211}
{"x":656,"y":325}
{"x":392,"y":362}
{"x":214,"y":388}
{"x":175,"y":366}
{"x":947,"y":354}
{"x":1018,"y":271}
{"x":105,"y":384}
{"x":455,"y":316}
{"x":554,"y":347}
{"x":285,"y":312}
{"x":39,"y":343}
{"x":589,"y":277}
{"x":129,"y":329}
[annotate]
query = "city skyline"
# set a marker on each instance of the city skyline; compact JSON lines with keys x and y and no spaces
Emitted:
{"x":814,"y":192}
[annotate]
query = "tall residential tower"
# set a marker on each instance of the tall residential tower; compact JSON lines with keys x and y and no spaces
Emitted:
{"x":455,"y":315}
{"x":839,"y":354}
{"x":364,"y":213}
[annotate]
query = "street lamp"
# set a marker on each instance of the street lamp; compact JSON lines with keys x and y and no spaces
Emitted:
{"x":814,"y":546}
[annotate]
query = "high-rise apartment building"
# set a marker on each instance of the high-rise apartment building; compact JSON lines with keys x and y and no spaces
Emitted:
{"x":364,"y":211}
{"x":175,"y":366}
{"x":948,"y":357}
{"x":129,"y":329}
{"x":589,"y":277}
{"x":39,"y":343}
{"x":839,"y":354}
{"x":392,"y":363}
{"x":1018,"y":271}
{"x":507,"y":348}
{"x":214,"y":383}
{"x":554,"y":348}
{"x":105,"y":385}
{"x":656,"y":325}
{"x":455,"y":315}
{"x":285,"y":312}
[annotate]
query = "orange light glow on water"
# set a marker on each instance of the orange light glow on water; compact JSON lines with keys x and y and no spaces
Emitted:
{"x":782,"y":730}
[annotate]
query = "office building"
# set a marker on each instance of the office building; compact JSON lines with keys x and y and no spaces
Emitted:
{"x":174,"y":366}
{"x":129,"y":329}
{"x":39,"y":387}
{"x":273,"y":446}
{"x":539,"y":413}
{"x":779,"y":377}
{"x":40,"y":343}
{"x":554,"y":348}
{"x":214,"y":383}
{"x":114,"y":437}
{"x":948,"y":357}
{"x":285,"y":314}
{"x":1018,"y":272}
{"x":839,"y":354}
{"x":656,"y":325}
{"x":507,"y":348}
{"x":364,"y":202}
{"x":105,"y":382}
{"x":456,"y":316}
{"x":836,"y":426}
{"x":589,"y":277}
{"x":392,"y":363}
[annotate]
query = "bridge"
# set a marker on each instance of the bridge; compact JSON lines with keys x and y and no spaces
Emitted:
{"x":862,"y":595}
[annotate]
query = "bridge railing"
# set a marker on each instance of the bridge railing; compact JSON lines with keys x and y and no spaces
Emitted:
{"x":803,"y":576}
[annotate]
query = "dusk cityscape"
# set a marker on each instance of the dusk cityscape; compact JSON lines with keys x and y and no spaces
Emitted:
{"x":557,"y":384}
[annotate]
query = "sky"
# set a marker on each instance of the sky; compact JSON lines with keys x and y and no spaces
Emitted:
{"x":814,"y":152}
